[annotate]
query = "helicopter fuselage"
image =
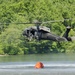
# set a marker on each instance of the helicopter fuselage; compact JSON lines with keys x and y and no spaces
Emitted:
{"x":43,"y":33}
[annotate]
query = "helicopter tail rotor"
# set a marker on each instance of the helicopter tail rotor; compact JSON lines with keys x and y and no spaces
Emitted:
{"x":68,"y":28}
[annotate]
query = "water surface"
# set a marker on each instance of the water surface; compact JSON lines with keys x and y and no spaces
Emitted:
{"x":54,"y":64}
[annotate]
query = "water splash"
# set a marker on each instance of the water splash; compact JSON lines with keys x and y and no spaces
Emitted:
{"x":31,"y":65}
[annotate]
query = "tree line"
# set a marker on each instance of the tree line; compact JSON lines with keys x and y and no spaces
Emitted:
{"x":12,"y":41}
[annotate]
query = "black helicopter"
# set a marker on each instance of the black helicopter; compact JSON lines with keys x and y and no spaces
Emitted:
{"x":43,"y":33}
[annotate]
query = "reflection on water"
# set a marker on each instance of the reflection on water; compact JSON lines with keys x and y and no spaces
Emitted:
{"x":54,"y":64}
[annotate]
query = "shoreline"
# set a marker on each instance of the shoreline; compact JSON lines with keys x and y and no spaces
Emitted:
{"x":4,"y":55}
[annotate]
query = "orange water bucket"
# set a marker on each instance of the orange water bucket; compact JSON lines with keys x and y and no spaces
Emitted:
{"x":39,"y":65}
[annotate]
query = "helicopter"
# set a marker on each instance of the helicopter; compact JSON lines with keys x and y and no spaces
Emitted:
{"x":39,"y":32}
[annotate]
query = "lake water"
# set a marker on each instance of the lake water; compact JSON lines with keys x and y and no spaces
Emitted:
{"x":54,"y":64}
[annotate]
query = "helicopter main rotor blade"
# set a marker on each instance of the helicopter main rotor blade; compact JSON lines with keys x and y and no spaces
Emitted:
{"x":52,"y":21}
{"x":57,"y":20}
{"x":19,"y":23}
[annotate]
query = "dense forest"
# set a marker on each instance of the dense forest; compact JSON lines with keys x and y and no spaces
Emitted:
{"x":12,"y":41}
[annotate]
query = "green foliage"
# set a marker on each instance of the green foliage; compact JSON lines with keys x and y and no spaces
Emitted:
{"x":11,"y":39}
